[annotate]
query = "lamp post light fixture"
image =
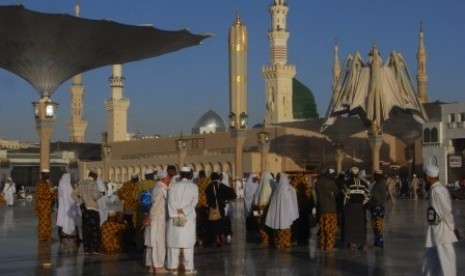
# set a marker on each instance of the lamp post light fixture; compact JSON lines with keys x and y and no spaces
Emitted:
{"x":243,"y":120}
{"x":232,"y":120}
{"x":263,"y":138}
{"x":45,"y":116}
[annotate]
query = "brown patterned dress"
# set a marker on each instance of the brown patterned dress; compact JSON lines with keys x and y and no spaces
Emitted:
{"x":45,"y":197}
{"x":112,"y":236}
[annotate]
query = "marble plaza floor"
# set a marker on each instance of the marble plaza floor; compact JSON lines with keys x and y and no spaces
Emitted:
{"x":20,"y":253}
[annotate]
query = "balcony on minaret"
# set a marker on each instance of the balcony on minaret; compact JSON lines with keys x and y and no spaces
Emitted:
{"x":116,"y":81}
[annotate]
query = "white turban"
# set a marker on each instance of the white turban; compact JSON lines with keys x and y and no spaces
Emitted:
{"x":432,"y":171}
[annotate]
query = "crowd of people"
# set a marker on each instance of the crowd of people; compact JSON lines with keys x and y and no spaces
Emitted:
{"x":167,"y":214}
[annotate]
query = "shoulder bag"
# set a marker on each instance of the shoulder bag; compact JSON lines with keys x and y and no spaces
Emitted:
{"x":214,"y":213}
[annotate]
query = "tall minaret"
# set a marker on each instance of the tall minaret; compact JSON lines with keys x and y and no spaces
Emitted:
{"x":422,"y":77}
{"x":278,"y":74}
{"x":77,"y":125}
{"x":238,"y":74}
{"x":336,"y":68}
{"x":117,"y":107}
{"x":238,"y":91}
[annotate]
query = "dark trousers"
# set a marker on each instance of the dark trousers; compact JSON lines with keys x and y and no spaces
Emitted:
{"x":202,"y":223}
{"x":215,"y":231}
{"x":90,"y":230}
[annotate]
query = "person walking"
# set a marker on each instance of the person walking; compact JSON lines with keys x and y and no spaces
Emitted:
{"x":326,"y":198}
{"x":218,"y":194}
{"x":440,"y":233}
{"x":87,"y":195}
{"x":283,"y":211}
{"x":9,"y":191}
{"x":356,"y":196}
{"x":45,"y":197}
{"x":376,"y":207}
{"x":155,"y":226}
{"x":67,"y":208}
{"x":182,"y":199}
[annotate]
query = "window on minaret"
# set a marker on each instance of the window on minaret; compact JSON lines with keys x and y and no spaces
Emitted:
{"x":238,"y":47}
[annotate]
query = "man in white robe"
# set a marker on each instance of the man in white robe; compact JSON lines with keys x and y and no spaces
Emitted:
{"x":440,"y":256}
{"x":9,"y":191}
{"x":182,"y":199}
{"x":250,"y":189}
{"x":155,"y":226}
{"x":103,"y":201}
{"x":67,"y":207}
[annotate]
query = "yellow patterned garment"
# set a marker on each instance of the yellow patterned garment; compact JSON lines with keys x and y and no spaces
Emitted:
{"x":126,"y":195}
{"x":45,"y":197}
{"x":144,"y":185}
{"x":202,"y":184}
{"x":112,"y":236}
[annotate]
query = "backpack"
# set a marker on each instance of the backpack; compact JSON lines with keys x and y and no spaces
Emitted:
{"x":145,"y":201}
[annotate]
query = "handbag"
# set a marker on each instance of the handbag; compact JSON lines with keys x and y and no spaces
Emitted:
{"x":179,"y":221}
{"x":214,"y":213}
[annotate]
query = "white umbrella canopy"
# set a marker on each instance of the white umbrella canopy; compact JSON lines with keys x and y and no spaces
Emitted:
{"x":47,"y":49}
{"x":372,"y":90}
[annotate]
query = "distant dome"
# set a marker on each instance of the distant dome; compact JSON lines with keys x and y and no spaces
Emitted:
{"x":210,"y":122}
{"x":303,"y":102}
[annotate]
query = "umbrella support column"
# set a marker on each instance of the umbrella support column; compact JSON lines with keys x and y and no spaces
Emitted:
{"x":375,"y":140}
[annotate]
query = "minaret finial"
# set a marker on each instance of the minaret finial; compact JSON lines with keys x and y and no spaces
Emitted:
{"x":76,"y":8}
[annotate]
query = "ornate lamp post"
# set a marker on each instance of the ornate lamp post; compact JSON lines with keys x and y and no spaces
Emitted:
{"x":263,"y":138}
{"x":181,"y":147}
{"x":45,"y":115}
{"x":238,"y":125}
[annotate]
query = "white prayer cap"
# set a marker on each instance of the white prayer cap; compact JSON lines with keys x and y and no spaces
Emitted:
{"x":161,"y":174}
{"x":45,"y":170}
{"x":9,"y":179}
{"x":331,"y":171}
{"x":148,"y":171}
{"x":354,"y":170}
{"x":111,"y":213}
{"x":414,"y":175}
{"x":432,"y":171}
{"x":185,"y":169}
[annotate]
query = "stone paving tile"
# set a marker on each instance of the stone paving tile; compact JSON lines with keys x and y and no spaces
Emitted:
{"x":20,"y":254}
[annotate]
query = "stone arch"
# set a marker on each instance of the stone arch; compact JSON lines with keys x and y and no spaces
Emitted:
{"x":208,"y":168}
{"x":117,"y":176}
{"x":227,"y":168}
{"x":426,"y":135}
{"x":124,"y":174}
{"x":111,"y":174}
{"x":434,"y":135}
{"x":217,"y":167}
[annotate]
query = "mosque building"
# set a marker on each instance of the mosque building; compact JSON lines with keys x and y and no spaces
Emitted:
{"x":289,"y":139}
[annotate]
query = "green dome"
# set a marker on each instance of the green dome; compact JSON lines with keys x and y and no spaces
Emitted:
{"x":303,"y":102}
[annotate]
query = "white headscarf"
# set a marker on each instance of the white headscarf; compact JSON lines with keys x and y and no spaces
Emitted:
{"x":263,"y":194}
{"x":225,"y":179}
{"x":249,"y":194}
{"x":67,"y":208}
{"x":283,"y":208}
